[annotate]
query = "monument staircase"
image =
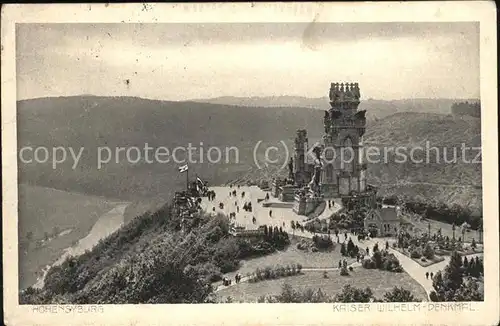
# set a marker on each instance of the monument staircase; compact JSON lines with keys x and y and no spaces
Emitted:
{"x":318,"y":211}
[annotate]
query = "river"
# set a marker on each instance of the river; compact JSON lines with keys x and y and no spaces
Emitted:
{"x":105,"y":225}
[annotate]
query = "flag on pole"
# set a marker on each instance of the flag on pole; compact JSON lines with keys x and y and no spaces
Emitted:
{"x":183,"y":168}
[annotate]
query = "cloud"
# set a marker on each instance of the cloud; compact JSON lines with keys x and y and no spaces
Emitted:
{"x":178,"y":61}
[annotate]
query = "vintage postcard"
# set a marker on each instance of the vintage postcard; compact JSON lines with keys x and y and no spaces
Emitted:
{"x":250,"y":163}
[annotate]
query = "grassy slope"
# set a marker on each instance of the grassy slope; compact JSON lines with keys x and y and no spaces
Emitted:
{"x":42,"y":209}
{"x":379,"y":281}
{"x":292,"y":255}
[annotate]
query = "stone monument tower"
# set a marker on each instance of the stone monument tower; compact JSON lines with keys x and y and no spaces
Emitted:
{"x":300,"y":169}
{"x":343,"y":168}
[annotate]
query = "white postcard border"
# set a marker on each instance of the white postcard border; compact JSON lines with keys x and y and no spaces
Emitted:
{"x":486,"y":312}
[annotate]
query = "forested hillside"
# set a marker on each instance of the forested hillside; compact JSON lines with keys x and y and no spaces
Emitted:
{"x":156,"y":258}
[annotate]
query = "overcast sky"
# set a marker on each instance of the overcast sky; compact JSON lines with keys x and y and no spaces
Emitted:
{"x":187,"y":61}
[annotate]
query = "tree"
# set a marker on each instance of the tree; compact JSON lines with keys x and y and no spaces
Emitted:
{"x":343,"y":250}
{"x":350,"y":247}
{"x":377,"y":258}
{"x":468,"y":292}
{"x":453,"y":272}
{"x":399,"y":295}
{"x":288,"y":295}
{"x":428,"y":251}
{"x":351,"y":294}
{"x":452,"y":285}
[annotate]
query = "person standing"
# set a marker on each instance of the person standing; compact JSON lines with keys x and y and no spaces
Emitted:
{"x":427,"y":275}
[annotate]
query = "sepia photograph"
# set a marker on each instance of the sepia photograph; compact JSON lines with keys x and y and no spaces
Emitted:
{"x":277,"y":161}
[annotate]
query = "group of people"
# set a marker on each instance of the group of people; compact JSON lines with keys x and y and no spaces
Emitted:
{"x":211,"y":195}
{"x":343,"y":263}
{"x":247,"y":207}
{"x":227,"y":281}
{"x":427,"y":275}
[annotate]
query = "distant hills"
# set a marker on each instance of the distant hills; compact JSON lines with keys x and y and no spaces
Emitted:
{"x":375,"y":108}
{"x":91,"y":122}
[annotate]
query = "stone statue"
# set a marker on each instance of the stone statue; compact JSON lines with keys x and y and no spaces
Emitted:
{"x":314,"y":183}
{"x":317,"y":174}
{"x":317,"y":153}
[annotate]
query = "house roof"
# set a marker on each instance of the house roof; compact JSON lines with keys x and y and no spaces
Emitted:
{"x":387,"y":214}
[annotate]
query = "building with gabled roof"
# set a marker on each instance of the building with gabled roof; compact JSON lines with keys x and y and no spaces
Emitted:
{"x":383,"y":222}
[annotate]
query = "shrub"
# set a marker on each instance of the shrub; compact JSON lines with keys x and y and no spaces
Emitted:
{"x":415,"y":254}
{"x":322,"y":242}
{"x":344,"y":272}
{"x":428,"y":252}
{"x":368,"y":264}
{"x":273,"y":273}
{"x":351,"y":268}
{"x":398,"y":269}
{"x":384,"y":261}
